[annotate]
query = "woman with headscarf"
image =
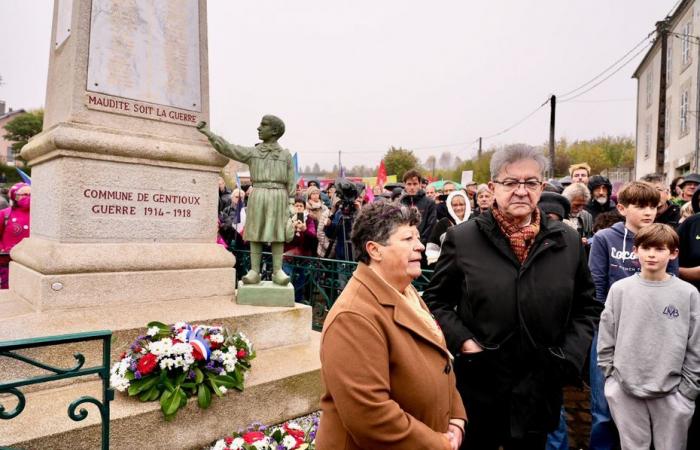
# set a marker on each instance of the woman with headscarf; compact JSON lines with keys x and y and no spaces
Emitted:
{"x":388,"y":376}
{"x":321,"y":214}
{"x":14,"y":226}
{"x":458,"y":209}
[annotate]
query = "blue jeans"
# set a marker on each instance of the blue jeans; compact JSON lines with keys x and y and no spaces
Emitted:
{"x":559,"y":438}
{"x":603,"y":431}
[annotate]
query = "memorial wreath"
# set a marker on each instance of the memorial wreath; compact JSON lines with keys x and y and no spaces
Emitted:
{"x":288,"y":436}
{"x":173,"y":363}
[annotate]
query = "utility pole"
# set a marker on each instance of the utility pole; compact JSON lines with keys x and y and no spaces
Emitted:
{"x":552,"y":143}
{"x":340,"y":164}
{"x":478,"y":153}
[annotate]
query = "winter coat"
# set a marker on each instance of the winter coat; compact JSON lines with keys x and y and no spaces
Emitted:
{"x":612,"y":258}
{"x":388,"y":380}
{"x":535,"y":321}
{"x":14,"y":226}
{"x":303,"y":243}
{"x":321,"y":213}
{"x":671,"y":216}
{"x":427,"y":208}
{"x":689,"y":254}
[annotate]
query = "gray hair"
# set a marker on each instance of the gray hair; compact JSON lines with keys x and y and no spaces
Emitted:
{"x":377,"y":222}
{"x":514,"y":153}
{"x":577,"y":190}
{"x":482,"y":187}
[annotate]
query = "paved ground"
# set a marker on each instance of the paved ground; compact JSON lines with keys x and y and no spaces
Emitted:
{"x":577,"y":404}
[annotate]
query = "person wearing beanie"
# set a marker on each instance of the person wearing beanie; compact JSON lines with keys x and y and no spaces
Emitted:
{"x":601,"y":190}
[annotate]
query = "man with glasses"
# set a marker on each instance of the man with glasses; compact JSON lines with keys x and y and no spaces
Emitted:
{"x":667,"y":212}
{"x":515,"y":300}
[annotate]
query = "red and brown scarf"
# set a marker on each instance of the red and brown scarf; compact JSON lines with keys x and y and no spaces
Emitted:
{"x":520,"y":238}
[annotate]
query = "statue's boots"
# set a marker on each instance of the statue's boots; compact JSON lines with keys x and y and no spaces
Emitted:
{"x":252,"y":277}
{"x":280,"y":277}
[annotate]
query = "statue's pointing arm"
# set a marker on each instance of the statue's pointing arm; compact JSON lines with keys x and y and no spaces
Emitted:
{"x":235,"y":152}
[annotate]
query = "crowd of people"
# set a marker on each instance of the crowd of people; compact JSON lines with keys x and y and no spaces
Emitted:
{"x":537,"y":284}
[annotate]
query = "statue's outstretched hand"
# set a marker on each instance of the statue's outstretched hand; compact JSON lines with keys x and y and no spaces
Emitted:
{"x":201,"y":125}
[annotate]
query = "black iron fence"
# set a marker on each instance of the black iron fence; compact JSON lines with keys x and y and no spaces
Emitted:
{"x":9,"y":349}
{"x":317,"y":281}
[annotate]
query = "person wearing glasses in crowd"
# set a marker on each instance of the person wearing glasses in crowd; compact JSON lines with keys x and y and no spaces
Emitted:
{"x":514,"y":296}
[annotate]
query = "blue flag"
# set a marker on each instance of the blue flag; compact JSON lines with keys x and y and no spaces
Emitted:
{"x":24,"y":176}
{"x":295,"y":161}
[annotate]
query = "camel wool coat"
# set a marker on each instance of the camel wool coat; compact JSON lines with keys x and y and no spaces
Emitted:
{"x":389,"y":381}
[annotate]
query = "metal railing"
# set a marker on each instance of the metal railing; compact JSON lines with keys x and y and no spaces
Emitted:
{"x":317,"y":281}
{"x":9,"y":349}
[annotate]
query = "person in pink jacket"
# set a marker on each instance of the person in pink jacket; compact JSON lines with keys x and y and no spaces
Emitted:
{"x":14,"y":226}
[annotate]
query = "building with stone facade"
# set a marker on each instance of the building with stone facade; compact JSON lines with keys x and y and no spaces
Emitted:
{"x":6,"y":155}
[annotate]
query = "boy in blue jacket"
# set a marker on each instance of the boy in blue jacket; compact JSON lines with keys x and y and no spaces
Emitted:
{"x":612,"y":258}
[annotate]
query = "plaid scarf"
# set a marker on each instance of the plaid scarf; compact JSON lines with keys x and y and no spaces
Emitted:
{"x":520,"y":238}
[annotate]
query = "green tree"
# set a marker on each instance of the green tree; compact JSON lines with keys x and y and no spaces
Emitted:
{"x":20,"y":129}
{"x":399,"y":160}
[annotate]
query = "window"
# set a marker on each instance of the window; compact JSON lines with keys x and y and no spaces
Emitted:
{"x":10,"y":155}
{"x":685,"y":43}
{"x":684,"y":113}
{"x":669,"y":62}
{"x":650,"y":86}
{"x":647,"y":139}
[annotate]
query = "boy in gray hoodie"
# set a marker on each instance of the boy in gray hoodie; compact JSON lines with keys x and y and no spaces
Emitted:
{"x":649,"y":347}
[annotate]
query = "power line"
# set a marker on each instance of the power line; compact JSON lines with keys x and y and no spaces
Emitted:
{"x":607,"y":100}
{"x":607,"y":68}
{"x":505,"y":130}
{"x":610,"y":75}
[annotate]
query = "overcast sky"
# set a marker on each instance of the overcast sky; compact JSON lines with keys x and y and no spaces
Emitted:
{"x":360,"y":76}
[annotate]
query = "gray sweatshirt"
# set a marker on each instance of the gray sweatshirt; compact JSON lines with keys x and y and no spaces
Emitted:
{"x":649,"y":337}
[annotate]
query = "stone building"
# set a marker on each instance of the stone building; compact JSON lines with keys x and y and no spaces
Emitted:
{"x":6,"y":154}
{"x":667,"y":102}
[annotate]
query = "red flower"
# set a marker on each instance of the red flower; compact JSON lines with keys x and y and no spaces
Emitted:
{"x":297,"y":434}
{"x":253,"y":436}
{"x":228,"y":440}
{"x":123,"y":355}
{"x":147,"y":364}
{"x":241,"y":353}
{"x":197,"y":354}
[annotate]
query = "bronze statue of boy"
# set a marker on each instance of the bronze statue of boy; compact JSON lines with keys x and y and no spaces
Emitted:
{"x":273,"y":180}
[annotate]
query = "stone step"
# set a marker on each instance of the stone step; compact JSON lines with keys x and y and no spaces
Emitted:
{"x":284,"y":383}
{"x":267,"y":327}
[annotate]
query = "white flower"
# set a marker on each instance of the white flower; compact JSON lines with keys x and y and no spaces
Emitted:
{"x":219,"y":445}
{"x":223,"y":389}
{"x":216,"y":338}
{"x":179,"y":325}
{"x":117,"y":378}
{"x":289,"y":442}
{"x":262,"y":444}
{"x":152,"y":331}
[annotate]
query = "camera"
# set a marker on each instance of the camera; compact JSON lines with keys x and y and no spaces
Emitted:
{"x":348,"y":192}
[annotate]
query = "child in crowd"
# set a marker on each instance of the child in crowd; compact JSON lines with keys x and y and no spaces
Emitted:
{"x":612,"y":258}
{"x":649,"y":347}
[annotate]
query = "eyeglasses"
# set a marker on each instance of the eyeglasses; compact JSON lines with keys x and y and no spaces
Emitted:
{"x":511,"y":184}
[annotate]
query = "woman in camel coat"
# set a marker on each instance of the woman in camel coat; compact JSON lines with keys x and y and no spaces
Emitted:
{"x":387,"y":372}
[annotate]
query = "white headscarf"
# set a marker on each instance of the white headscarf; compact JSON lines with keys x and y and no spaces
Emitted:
{"x":467,"y":206}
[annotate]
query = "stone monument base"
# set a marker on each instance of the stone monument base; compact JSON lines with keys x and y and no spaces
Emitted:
{"x":266,"y":293}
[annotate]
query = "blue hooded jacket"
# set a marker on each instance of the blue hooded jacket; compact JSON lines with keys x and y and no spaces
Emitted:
{"x":612,"y":259}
